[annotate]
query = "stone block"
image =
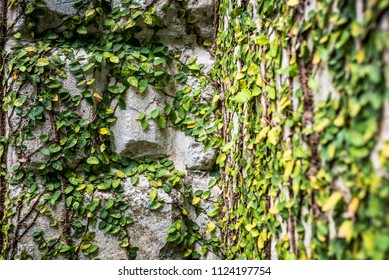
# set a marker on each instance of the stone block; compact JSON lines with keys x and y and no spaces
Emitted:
{"x":129,"y":137}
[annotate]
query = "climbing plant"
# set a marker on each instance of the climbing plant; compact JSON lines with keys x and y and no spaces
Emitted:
{"x":299,"y":164}
{"x":297,"y":120}
{"x":79,"y":183}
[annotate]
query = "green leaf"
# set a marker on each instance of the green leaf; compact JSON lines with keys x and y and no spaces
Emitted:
{"x":132,"y":81}
{"x":82,"y":30}
{"x":64,"y":249}
{"x":54,"y":148}
{"x":162,"y":122}
{"x":142,"y":85}
{"x":20,"y":101}
{"x":56,"y":195}
{"x":155,"y":113}
{"x":92,"y":160}
{"x":242,"y":96}
{"x":155,"y":205}
{"x":313,"y":84}
{"x":256,"y":91}
{"x":158,"y":61}
{"x":271,"y":92}
{"x":109,"y":204}
{"x":57,"y":165}
{"x":144,"y":123}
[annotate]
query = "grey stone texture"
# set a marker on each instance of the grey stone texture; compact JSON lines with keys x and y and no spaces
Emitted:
{"x":129,"y":139}
{"x":65,"y":7}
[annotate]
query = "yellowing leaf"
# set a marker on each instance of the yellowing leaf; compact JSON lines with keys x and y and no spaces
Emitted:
{"x":259,"y":81}
{"x":44,"y":61}
{"x":332,"y":201}
{"x":316,"y":58}
{"x":249,"y":227}
{"x":97,"y":97}
{"x":196,"y":200}
{"x":221,"y":158}
{"x":274,"y":210}
{"x":361,"y":56}
{"x":353,"y":206}
{"x":292,"y":3}
{"x":104,"y":131}
{"x":253,"y":69}
{"x":120,"y":174}
{"x":262,"y":40}
{"x":346,"y":230}
{"x":240,"y":76}
{"x":210,"y":227}
{"x":339,"y":121}
{"x":153,"y":194}
{"x":274,"y":136}
{"x":262,"y":239}
{"x":114,"y":59}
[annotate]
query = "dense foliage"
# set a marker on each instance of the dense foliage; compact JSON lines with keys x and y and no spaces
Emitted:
{"x":299,"y":163}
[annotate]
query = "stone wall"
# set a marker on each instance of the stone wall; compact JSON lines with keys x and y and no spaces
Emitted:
{"x":129,"y":139}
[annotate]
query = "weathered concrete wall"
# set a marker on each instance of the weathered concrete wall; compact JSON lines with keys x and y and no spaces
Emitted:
{"x":149,"y":228}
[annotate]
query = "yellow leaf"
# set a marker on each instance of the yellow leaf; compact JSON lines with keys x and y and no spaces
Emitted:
{"x":292,"y":3}
{"x":361,"y":56}
{"x":97,"y":97}
{"x":339,"y":121}
{"x":240,"y":76}
{"x":385,"y":150}
{"x":207,"y":43}
{"x":259,"y":81}
{"x":221,"y":158}
{"x":253,"y":69}
{"x":262,"y":239}
{"x":196,"y":200}
{"x":185,"y":212}
{"x":85,"y":245}
{"x":249,"y":227}
{"x":274,"y":210}
{"x":316,"y":58}
{"x":332,"y":201}
{"x":104,"y":131}
{"x":210,"y":227}
{"x":120,"y":174}
{"x":353,"y":206}
{"x":346,"y":230}
{"x":368,"y":240}
{"x":153,"y":194}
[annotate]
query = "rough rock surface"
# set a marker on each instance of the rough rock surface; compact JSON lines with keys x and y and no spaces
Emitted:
{"x":129,"y":137}
{"x":149,"y":230}
{"x":65,"y":7}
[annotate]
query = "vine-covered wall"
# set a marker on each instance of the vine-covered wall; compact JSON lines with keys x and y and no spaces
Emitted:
{"x":304,"y":106}
{"x":102,"y":104}
{"x":114,"y":112}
